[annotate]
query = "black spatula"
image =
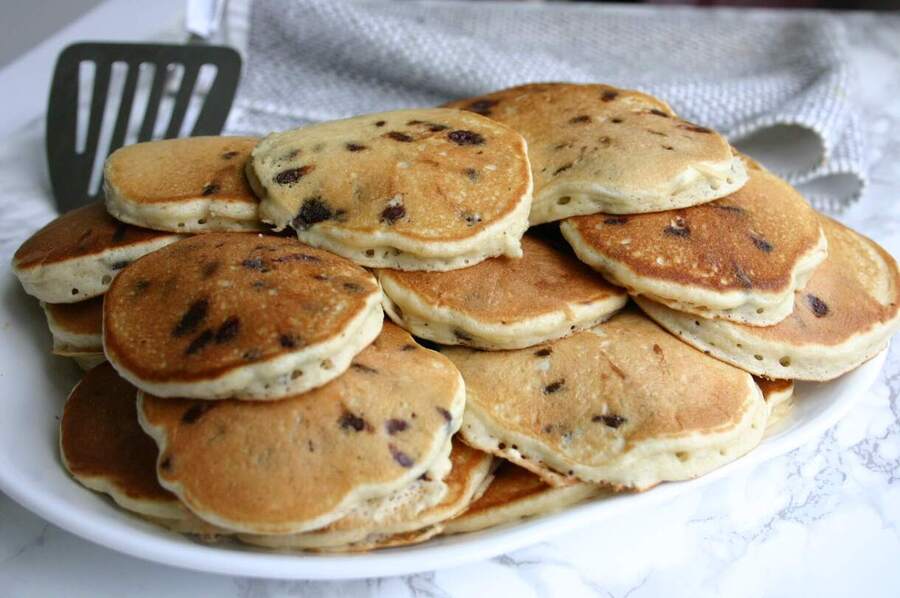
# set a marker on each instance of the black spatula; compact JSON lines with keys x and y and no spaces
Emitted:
{"x":73,"y":167}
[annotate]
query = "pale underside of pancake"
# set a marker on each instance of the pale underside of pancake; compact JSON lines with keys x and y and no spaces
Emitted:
{"x":845,"y":315}
{"x":103,"y":447}
{"x":596,"y":148}
{"x":502,"y":303}
{"x":77,"y":256}
{"x":778,"y":395}
{"x":515,"y":494}
{"x":301,"y":463}
{"x":431,"y":189}
{"x":624,"y":404}
{"x":194,"y":184}
{"x":739,"y":258}
{"x":470,"y":471}
{"x":293,"y":318}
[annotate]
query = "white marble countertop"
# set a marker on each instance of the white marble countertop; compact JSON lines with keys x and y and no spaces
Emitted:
{"x":823,"y":520}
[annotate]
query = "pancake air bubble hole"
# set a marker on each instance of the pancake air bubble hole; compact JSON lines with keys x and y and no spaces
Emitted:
{"x":296,"y":374}
{"x":563,"y":200}
{"x":683,"y":456}
{"x":785,"y":361}
{"x":201,"y":221}
{"x":74,"y":291}
{"x":760,"y":310}
{"x":106,"y":279}
{"x":758,"y":357}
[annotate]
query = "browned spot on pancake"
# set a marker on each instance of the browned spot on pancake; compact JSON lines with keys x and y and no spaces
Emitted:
{"x":668,"y":147}
{"x":618,"y":371}
{"x":350,"y":421}
{"x":400,"y":457}
{"x":580,"y":119}
{"x":554,"y":387}
{"x":612,"y":420}
{"x":192,"y":318}
{"x":657,"y":133}
{"x":818,"y":307}
{"x":200,"y":342}
{"x":141,"y":286}
{"x":398,"y":136}
{"x":392,"y":213}
{"x":229,"y":155}
{"x":228,"y":330}
{"x":193,"y":413}
{"x":543,"y":352}
{"x":292,"y":175}
{"x":210,"y":189}
{"x":313,"y":211}
{"x":379,"y":123}
{"x":604,"y":142}
{"x":482,"y":107}
{"x":287,"y":341}
{"x":609,"y":95}
{"x":395,"y":425}
{"x":615,"y":220}
{"x":463,"y":137}
{"x":352,"y":287}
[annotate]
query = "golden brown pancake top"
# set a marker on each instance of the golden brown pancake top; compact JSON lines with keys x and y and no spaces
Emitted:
{"x":277,"y":463}
{"x":771,"y":387}
{"x":85,"y":231}
{"x":751,"y":239}
{"x":511,"y":483}
{"x":82,"y":317}
{"x":854,"y":290}
{"x":504,"y":290}
{"x":617,"y":138}
{"x":219,"y":301}
{"x":172,"y":170}
{"x":432,"y":175}
{"x":596,"y":394}
{"x":101,"y":438}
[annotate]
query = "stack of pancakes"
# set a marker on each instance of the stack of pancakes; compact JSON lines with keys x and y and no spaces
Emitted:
{"x":229,"y":300}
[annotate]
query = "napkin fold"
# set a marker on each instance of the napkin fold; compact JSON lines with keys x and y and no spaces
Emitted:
{"x":775,"y":83}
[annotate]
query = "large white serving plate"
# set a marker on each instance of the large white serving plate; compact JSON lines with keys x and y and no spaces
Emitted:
{"x":33,"y":388}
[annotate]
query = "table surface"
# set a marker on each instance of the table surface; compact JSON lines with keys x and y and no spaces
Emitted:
{"x":823,"y":520}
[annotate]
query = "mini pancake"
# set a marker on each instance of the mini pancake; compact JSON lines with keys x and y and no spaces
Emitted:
{"x":429,"y":189}
{"x":778,"y":395}
{"x":502,"y":303}
{"x":844,"y":316}
{"x":299,"y":464}
{"x":470,"y":473}
{"x":516,"y":493}
{"x":194,"y":184}
{"x":103,"y":447}
{"x":739,"y":258}
{"x":76,"y":256}
{"x":77,"y":330}
{"x":227,"y":315}
{"x":624,"y":404}
{"x":596,"y":148}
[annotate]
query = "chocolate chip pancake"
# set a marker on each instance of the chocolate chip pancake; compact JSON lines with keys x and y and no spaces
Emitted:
{"x":596,"y":148}
{"x":194,"y":184}
{"x":470,"y":474}
{"x":624,"y":404}
{"x":516,"y":493}
{"x":739,"y":258}
{"x":502,"y":303}
{"x":299,"y":464}
{"x":76,"y":256}
{"x":226,"y":315}
{"x":845,"y":315}
{"x":77,"y":330}
{"x":432,"y":189}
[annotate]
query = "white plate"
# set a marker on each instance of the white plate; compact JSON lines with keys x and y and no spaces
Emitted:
{"x":33,"y":388}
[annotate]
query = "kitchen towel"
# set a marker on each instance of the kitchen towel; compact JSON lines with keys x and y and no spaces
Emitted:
{"x":775,"y":82}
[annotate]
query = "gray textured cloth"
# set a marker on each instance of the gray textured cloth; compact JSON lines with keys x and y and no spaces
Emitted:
{"x":776,"y":83}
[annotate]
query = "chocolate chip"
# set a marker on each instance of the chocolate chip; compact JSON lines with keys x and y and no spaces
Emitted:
{"x":355,"y":147}
{"x":352,"y":287}
{"x":554,"y":386}
{"x":192,"y":318}
{"x":229,"y":155}
{"x":657,"y":349}
{"x":287,"y":341}
{"x":361,"y":367}
{"x":119,"y":265}
{"x":471,"y":174}
{"x":202,"y":339}
{"x":742,"y":277}
{"x":210,"y":188}
{"x":196,"y":411}
{"x":297,"y":257}
{"x":581,"y":119}
{"x":292,"y":175}
{"x":400,"y":457}
{"x":392,"y":213}
{"x":761,"y":244}
{"x":694,"y":128}
{"x":562,"y":168}
{"x":228,"y":330}
{"x":482,"y":107}
{"x":657,"y":133}
{"x":657,"y":112}
{"x":311,"y":446}
{"x":408,"y":347}
{"x":313,"y":211}
{"x":819,"y":307}
{"x":141,"y":285}
{"x":392,"y":426}
{"x":437,"y":128}
{"x":615,"y":220}
{"x":444,"y":413}
{"x":349,"y":421}
{"x":413,"y":123}
{"x":461,"y":137}
{"x":120,"y":232}
{"x":210,"y":268}
{"x":256,"y":263}
{"x":668,"y":147}
{"x":543,"y":352}
{"x":609,"y":95}
{"x":616,"y":120}
{"x":613,"y":421}
{"x":379,"y":123}
{"x":398,"y":136}
{"x":251,"y":354}
{"x":166,"y":464}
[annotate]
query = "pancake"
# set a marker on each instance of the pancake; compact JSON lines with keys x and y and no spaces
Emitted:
{"x":596,"y":148}
{"x":471,"y":470}
{"x":778,"y":395}
{"x":233,"y":315}
{"x":844,"y":316}
{"x":76,"y":327}
{"x":194,"y":184}
{"x":299,"y":464}
{"x":76,"y":256}
{"x":516,"y":493}
{"x":739,"y":258}
{"x":103,"y":447}
{"x":624,"y":404}
{"x":429,"y":189}
{"x":502,"y":303}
